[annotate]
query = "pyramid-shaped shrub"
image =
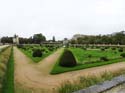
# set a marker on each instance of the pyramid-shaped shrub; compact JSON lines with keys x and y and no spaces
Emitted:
{"x":67,"y":59}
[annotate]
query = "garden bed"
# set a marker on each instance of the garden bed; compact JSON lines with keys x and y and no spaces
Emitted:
{"x":84,"y":62}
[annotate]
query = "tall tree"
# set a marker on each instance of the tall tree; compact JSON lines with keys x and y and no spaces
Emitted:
{"x":38,"y":38}
{"x":6,"y":40}
{"x":54,"y":39}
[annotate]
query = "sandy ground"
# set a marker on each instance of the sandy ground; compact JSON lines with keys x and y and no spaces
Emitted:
{"x":3,"y":46}
{"x":36,"y":75}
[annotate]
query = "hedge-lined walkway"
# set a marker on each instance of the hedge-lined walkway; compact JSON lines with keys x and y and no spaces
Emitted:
{"x":30,"y":76}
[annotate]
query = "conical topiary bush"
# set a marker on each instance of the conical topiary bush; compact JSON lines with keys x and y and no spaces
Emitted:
{"x":67,"y":59}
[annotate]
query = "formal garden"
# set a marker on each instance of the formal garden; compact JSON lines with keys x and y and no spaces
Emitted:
{"x":70,"y":58}
{"x":75,"y":58}
{"x":37,"y":52}
{"x":88,"y":57}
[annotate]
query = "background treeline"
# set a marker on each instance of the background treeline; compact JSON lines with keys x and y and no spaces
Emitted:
{"x":116,"y":38}
{"x":36,"y":39}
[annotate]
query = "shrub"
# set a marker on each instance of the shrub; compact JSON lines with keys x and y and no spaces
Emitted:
{"x":37,"y":53}
{"x":43,"y":49}
{"x":103,"y":58}
{"x":50,"y":48}
{"x":102,"y":49}
{"x":20,"y":46}
{"x":67,"y":59}
{"x":107,"y":47}
{"x":120,"y":50}
{"x":89,"y":56}
{"x":123,"y":55}
{"x":84,"y":48}
{"x":113,"y":48}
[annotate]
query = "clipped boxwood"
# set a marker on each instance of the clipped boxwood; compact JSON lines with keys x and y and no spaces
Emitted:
{"x":20,"y":46}
{"x":37,"y":53}
{"x":104,"y":58}
{"x":120,"y":50}
{"x":123,"y":55}
{"x":102,"y":49}
{"x":67,"y":59}
{"x":113,"y":48}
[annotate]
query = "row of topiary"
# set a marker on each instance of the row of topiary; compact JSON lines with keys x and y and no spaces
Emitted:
{"x":36,"y":50}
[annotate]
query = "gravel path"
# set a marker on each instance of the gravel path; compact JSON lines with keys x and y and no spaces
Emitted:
{"x":35,"y":76}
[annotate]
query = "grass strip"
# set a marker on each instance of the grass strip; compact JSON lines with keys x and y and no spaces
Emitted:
{"x":8,"y":83}
{"x":84,"y":82}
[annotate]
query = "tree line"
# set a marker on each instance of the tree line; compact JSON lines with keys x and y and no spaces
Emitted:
{"x":116,"y":38}
{"x":35,"y":39}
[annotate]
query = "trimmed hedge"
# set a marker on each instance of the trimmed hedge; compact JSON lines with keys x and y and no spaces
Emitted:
{"x":120,"y":50}
{"x":104,"y":59}
{"x":123,"y":55}
{"x":37,"y":53}
{"x":67,"y":59}
{"x":102,"y":49}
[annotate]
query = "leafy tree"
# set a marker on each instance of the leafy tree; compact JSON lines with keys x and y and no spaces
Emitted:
{"x":6,"y":40}
{"x":38,"y":38}
{"x":115,"y":38}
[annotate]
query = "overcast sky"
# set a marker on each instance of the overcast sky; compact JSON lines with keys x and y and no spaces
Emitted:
{"x":61,"y":18}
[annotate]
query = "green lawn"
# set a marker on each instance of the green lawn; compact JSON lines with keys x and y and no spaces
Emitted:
{"x":83,"y":60}
{"x":82,"y":55}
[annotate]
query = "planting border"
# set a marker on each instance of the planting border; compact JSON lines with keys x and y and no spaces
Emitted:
{"x":8,"y":83}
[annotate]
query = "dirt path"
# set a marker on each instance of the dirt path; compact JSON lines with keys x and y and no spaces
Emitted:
{"x":36,"y":76}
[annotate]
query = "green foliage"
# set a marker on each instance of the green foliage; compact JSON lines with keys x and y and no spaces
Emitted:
{"x":113,"y":48}
{"x":4,"y":57}
{"x":117,"y":38}
{"x":84,"y":48}
{"x":104,"y":58}
{"x":6,"y":40}
{"x":82,"y":55}
{"x":102,"y":49}
{"x":89,"y":56}
{"x":58,"y":69}
{"x":123,"y":55}
{"x":38,"y":38}
{"x":67,"y":59}
{"x":29,"y":49}
{"x":37,"y":53}
{"x":20,"y":46}
{"x":8,"y":84}
{"x":83,"y":61}
{"x":120,"y":49}
{"x":84,"y":82}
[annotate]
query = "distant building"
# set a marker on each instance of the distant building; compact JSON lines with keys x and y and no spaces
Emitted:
{"x":65,"y":42}
{"x":15,"y":39}
{"x":76,"y":36}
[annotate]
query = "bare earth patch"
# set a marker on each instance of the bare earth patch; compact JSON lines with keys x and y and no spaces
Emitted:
{"x":35,"y":77}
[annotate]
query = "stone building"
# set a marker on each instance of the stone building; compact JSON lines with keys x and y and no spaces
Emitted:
{"x":65,"y":42}
{"x":15,"y":39}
